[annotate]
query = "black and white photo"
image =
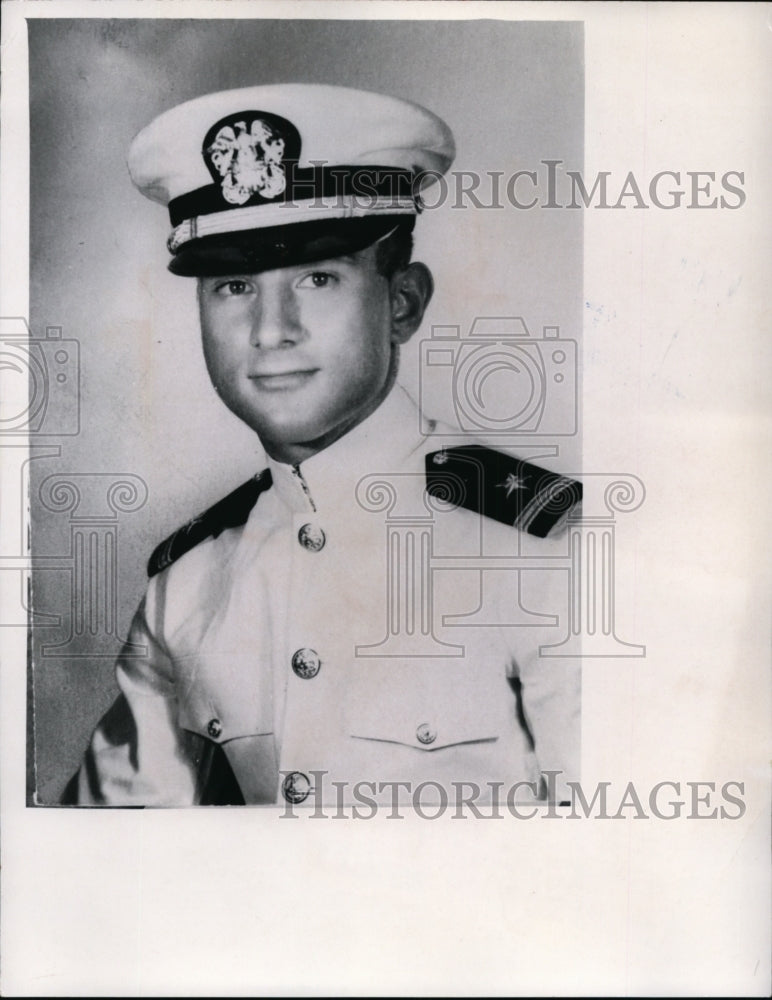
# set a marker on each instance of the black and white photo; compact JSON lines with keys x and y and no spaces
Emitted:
{"x":383,"y":599}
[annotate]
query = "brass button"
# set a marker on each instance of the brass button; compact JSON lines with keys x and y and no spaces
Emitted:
{"x":214,"y":728}
{"x":311,"y":537}
{"x":425,"y":734}
{"x":306,"y":663}
{"x":296,"y":787}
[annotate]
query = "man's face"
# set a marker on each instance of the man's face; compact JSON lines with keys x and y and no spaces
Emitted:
{"x":301,"y":354}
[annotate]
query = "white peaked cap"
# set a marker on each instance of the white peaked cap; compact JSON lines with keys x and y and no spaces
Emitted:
{"x":253,"y":175}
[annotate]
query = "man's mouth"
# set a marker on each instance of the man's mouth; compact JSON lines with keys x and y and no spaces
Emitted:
{"x":283,"y":379}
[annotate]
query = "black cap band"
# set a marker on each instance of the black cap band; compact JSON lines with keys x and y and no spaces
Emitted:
{"x":307,"y":185}
{"x":256,"y":250}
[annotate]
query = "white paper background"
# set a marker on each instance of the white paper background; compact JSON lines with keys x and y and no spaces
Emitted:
{"x":676,"y":362}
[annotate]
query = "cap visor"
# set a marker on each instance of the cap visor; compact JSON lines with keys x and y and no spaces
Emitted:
{"x":258,"y":250}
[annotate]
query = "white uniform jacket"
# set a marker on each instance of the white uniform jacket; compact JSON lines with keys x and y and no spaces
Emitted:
{"x":352,"y":630}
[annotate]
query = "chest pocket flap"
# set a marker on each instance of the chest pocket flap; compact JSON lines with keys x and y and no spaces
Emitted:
{"x":223,"y":696}
{"x":426,"y":705}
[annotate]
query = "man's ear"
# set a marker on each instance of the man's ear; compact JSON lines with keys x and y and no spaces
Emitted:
{"x":410,"y":291}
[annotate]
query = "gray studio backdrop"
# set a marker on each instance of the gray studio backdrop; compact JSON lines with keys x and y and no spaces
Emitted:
{"x":138,"y":441}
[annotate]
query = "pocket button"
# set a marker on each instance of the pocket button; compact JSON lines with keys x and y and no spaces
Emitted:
{"x":425,"y":734}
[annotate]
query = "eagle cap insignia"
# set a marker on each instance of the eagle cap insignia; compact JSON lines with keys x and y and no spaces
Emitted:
{"x":247,"y":153}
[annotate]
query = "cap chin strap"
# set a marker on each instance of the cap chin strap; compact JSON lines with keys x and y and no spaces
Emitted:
{"x":288,"y":214}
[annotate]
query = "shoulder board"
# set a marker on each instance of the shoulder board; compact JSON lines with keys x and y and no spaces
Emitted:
{"x":502,"y":487}
{"x":230,"y":512}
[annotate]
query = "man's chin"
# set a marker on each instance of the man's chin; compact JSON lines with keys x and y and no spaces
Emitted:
{"x":292,"y":444}
{"x":297,"y":437}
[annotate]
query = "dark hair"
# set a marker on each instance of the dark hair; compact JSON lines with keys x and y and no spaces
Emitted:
{"x":393,"y":253}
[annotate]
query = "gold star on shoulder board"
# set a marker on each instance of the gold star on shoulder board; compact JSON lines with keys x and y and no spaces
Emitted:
{"x":512,"y":483}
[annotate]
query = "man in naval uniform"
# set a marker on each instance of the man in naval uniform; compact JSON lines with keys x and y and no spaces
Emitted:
{"x":295,"y":648}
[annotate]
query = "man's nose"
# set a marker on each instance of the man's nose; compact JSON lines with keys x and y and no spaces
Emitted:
{"x":275,"y":320}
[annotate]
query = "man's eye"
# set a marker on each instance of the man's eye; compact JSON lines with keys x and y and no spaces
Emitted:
{"x":233,"y":287}
{"x":317,"y":279}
